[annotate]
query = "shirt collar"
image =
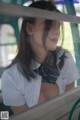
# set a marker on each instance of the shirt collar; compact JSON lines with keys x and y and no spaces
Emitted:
{"x":60,"y":52}
{"x":35,"y":64}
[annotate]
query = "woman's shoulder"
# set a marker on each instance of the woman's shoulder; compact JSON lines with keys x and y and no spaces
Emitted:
{"x":12,"y":70}
{"x":13,"y":79}
{"x":11,"y":75}
{"x":69,"y":70}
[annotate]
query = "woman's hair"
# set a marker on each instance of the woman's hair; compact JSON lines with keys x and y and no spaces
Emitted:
{"x":25,"y":53}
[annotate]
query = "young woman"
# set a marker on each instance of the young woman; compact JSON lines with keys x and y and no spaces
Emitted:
{"x":41,"y":70}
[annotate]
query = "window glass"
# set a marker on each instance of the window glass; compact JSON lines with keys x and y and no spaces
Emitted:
{"x":8,"y":46}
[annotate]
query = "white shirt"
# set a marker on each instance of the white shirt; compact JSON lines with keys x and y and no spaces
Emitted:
{"x":17,"y":90}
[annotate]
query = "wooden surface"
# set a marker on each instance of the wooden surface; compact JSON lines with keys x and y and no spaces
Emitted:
{"x":55,"y":109}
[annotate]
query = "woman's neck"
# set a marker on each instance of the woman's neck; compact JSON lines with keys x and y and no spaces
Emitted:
{"x":40,"y":54}
{"x":39,"y":51}
{"x":40,"y":57}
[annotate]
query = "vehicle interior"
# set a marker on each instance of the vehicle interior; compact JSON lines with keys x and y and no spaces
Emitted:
{"x":11,"y":14}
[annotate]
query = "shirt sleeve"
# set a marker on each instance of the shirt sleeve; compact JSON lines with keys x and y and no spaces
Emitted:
{"x":11,"y":95}
{"x":70,"y":71}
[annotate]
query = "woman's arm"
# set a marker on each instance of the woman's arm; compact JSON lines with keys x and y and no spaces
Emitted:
{"x":18,"y":109}
{"x":70,"y":86}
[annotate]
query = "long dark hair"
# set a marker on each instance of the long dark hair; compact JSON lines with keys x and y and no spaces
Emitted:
{"x":25,"y":53}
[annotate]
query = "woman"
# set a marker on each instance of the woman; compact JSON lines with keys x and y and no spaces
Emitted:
{"x":41,"y":70}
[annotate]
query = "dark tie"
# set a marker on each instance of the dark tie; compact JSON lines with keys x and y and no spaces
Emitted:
{"x":49,"y":73}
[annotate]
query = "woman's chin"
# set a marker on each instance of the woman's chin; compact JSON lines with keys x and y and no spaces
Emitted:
{"x":53,"y":48}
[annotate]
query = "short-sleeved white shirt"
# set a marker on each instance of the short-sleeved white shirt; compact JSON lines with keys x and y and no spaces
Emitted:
{"x":17,"y":90}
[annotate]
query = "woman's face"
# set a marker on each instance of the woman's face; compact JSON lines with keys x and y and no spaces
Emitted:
{"x":37,"y":31}
{"x":53,"y":36}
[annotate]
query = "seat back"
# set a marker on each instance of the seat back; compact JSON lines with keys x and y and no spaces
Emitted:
{"x":55,"y":109}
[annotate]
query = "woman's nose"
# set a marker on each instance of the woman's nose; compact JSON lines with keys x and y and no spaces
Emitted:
{"x":56,"y":33}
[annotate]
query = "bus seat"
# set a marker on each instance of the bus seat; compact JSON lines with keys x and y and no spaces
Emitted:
{"x":4,"y":107}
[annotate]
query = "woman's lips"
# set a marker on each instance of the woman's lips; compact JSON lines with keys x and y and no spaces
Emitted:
{"x":54,"y":40}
